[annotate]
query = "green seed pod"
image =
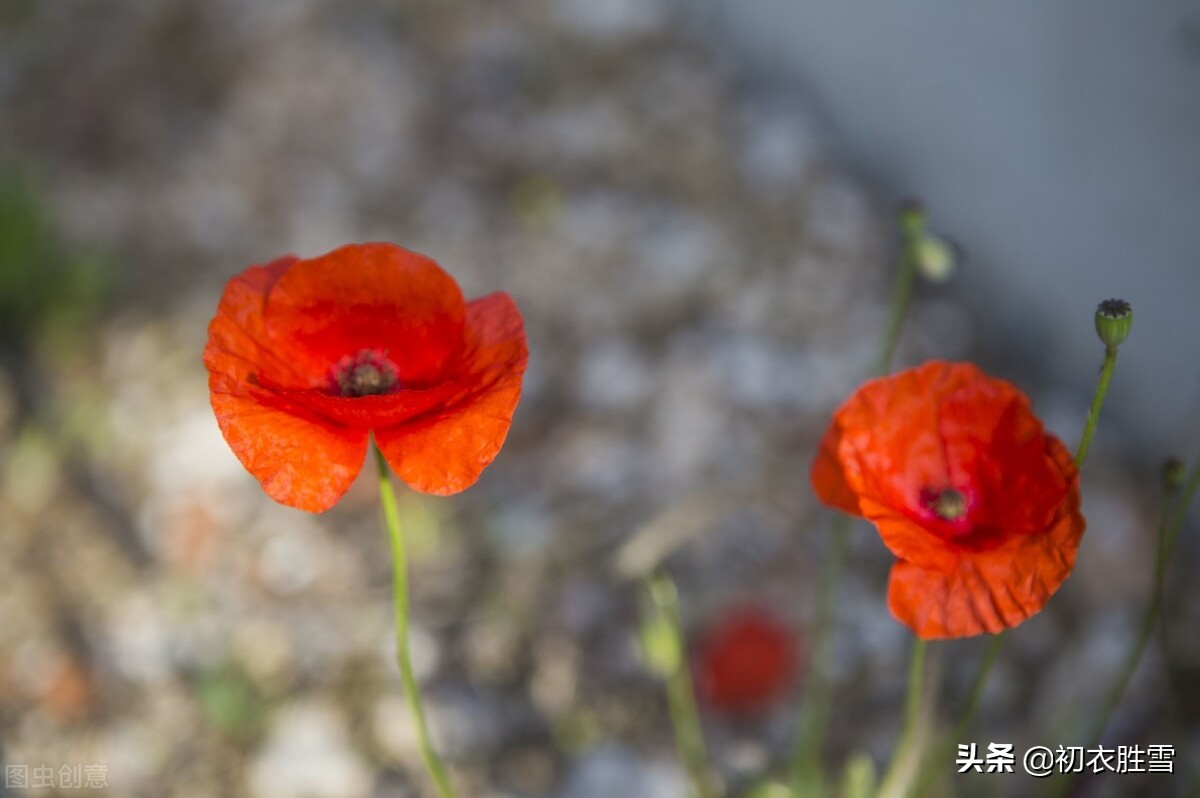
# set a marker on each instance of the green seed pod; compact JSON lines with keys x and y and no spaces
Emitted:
{"x":1114,"y":320}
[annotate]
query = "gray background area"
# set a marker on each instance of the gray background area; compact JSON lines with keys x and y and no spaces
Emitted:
{"x":1057,"y":142}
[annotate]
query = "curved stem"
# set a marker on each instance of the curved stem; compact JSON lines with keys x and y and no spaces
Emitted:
{"x":412,"y":692}
{"x":898,"y":309}
{"x":931,"y":769}
{"x":681,"y":695}
{"x":893,"y":781}
{"x":1093,"y":417}
{"x":806,"y":774}
{"x":976,"y":694}
{"x":806,"y":777}
{"x":1176,"y":524}
{"x":944,"y":751}
{"x":1170,"y":521}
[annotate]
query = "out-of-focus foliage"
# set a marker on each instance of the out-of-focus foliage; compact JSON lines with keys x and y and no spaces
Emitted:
{"x":46,"y":287}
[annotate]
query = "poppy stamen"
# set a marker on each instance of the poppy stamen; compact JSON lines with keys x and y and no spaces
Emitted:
{"x":947,"y":504}
{"x":367,"y":373}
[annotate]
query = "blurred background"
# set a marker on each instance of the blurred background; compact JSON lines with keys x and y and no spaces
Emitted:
{"x":693,"y":207}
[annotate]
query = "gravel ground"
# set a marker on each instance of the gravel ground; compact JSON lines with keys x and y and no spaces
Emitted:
{"x":702,"y":279}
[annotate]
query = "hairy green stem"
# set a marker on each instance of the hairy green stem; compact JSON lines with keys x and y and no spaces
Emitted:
{"x":412,"y":692}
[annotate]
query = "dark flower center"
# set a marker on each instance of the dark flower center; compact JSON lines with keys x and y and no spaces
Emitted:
{"x":367,"y":373}
{"x":950,"y":505}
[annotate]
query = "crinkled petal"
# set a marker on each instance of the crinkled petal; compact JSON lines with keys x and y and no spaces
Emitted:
{"x":890,"y":447}
{"x":908,"y":539}
{"x":238,"y":347}
{"x":368,"y":296}
{"x":828,"y":476}
{"x":300,"y":460}
{"x":988,"y":591}
{"x":444,"y":450}
{"x":996,"y":445}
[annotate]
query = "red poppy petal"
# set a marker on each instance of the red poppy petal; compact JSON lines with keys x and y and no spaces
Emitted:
{"x":444,"y":451}
{"x":238,"y":346}
{"x":995,"y":444}
{"x":384,"y":410}
{"x":302,"y":462}
{"x":910,"y":540}
{"x":890,"y":447}
{"x":829,"y":478}
{"x":987,"y":591}
{"x":368,"y":296}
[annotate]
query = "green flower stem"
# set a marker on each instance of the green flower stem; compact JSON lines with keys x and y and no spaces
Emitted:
{"x":898,"y":311}
{"x":391,"y":514}
{"x":906,"y":747}
{"x":1176,"y":524}
{"x":1093,"y":417}
{"x":806,"y":775}
{"x":976,"y":694}
{"x":681,"y":695}
{"x":1170,"y":521}
{"x":1143,"y":637}
{"x":931,"y":770}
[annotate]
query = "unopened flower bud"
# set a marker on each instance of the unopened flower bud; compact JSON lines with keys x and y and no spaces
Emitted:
{"x":936,"y":257}
{"x":1174,"y":472}
{"x":1114,"y":320}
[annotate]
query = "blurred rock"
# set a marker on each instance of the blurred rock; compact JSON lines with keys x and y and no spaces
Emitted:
{"x":612,"y":770}
{"x":308,"y":755}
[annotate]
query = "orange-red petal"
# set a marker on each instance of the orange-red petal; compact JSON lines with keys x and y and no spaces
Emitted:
{"x":992,"y":590}
{"x":368,"y":296}
{"x":238,"y":347}
{"x":900,"y":440}
{"x":444,"y":450}
{"x":829,"y":477}
{"x":281,"y":331}
{"x":300,"y":460}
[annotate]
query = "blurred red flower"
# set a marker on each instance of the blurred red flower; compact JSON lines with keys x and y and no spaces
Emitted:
{"x":306,"y":358}
{"x":978,"y":502}
{"x":746,"y":659}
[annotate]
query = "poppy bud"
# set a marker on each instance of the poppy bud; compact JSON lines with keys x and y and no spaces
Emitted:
{"x":1174,"y":472}
{"x":1114,"y":320}
{"x":936,"y":257}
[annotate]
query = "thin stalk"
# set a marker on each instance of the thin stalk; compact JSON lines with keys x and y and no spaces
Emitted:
{"x":818,"y":697}
{"x":815,"y":706}
{"x":931,"y":770}
{"x":993,"y":650}
{"x":1093,"y":417}
{"x":1171,"y":517}
{"x":412,"y":692}
{"x":1185,"y":501}
{"x":681,"y":695}
{"x":893,"y":781}
{"x":898,"y":309}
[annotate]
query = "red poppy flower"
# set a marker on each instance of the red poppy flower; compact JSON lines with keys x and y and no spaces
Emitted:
{"x":744,"y":661}
{"x":306,"y":358}
{"x":978,"y":502}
